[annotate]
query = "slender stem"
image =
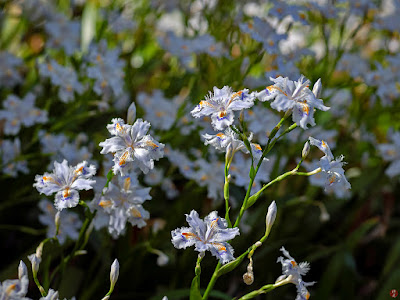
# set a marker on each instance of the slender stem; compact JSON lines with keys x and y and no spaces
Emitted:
{"x":212,"y":281}
{"x":265,"y":152}
{"x":265,"y":289}
{"x":255,"y":196}
{"x":228,"y":161}
{"x":41,"y":289}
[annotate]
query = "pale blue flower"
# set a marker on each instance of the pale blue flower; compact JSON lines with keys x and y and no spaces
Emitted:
{"x":63,"y":34}
{"x":106,"y":69}
{"x":63,"y":77}
{"x":391,"y":152}
{"x":333,"y":169}
{"x":14,"y":289}
{"x":122,"y":201}
{"x":263,"y":32}
{"x":130,"y":144}
{"x":119,"y":21}
{"x":293,"y":272}
{"x":70,"y":224}
{"x":210,"y":174}
{"x":159,"y":111}
{"x":320,"y":180}
{"x":9,"y":151}
{"x":211,"y":234}
{"x":323,"y":146}
{"x":9,"y":70}
{"x":261,"y":121}
{"x":51,"y":295}
{"x":221,"y":104}
{"x":229,"y":141}
{"x":179,"y":159}
{"x":60,"y":147}
{"x":184,"y":48}
{"x":294,"y":96}
{"x":65,"y":181}
{"x":18,"y":112}
{"x":282,"y":9}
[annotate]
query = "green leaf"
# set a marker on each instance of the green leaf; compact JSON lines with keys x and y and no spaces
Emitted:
{"x":195,"y":289}
{"x":231,"y":265}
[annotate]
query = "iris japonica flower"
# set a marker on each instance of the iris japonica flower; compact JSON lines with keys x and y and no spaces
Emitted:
{"x":292,"y":273}
{"x":16,"y":288}
{"x":221,"y":104}
{"x":66,"y":181}
{"x":122,"y":201}
{"x":131,"y":143}
{"x":332,"y":168}
{"x":294,"y":96}
{"x":230,"y":139}
{"x":211,"y":234}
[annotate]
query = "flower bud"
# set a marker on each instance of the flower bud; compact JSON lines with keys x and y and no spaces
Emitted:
{"x":229,"y":154}
{"x":114,"y":273}
{"x":306,"y":150}
{"x":22,"y":270}
{"x":35,"y":261}
{"x":106,"y":298}
{"x":317,"y":88}
{"x":270,"y":218}
{"x":131,"y":113}
{"x":39,"y":251}
{"x":57,"y":222}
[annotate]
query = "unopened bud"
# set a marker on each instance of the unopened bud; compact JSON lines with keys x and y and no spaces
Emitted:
{"x":114,"y":273}
{"x":35,"y":261}
{"x":229,"y":154}
{"x":22,"y":270}
{"x":270,"y":218}
{"x":106,"y":298}
{"x":57,"y":222}
{"x":306,"y":150}
{"x":131,"y":113}
{"x":317,"y":88}
{"x":39,"y":251}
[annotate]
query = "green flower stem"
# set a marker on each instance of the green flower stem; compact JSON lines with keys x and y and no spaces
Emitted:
{"x":244,"y":205}
{"x":265,"y":152}
{"x":265,"y":289}
{"x":235,"y":263}
{"x":211,"y":284}
{"x":255,"y":196}
{"x":84,"y":233}
{"x":228,"y":161}
{"x":41,"y":289}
